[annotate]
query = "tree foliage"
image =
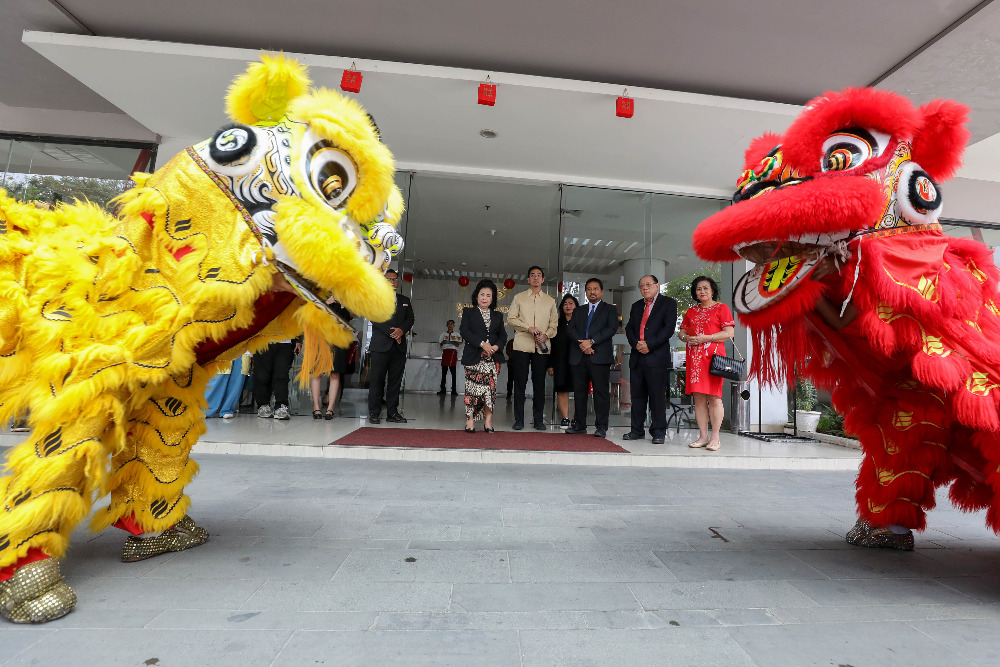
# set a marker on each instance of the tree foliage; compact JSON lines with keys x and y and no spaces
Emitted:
{"x":679,"y":289}
{"x":54,"y":189}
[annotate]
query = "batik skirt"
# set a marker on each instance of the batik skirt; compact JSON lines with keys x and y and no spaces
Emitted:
{"x":480,"y":388}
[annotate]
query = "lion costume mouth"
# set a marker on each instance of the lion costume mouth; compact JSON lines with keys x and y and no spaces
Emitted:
{"x":781,"y":265}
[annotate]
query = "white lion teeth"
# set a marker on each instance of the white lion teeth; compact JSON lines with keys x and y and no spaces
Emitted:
{"x":824,"y":239}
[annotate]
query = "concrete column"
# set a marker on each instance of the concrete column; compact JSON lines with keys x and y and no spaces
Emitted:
{"x":768,"y":406}
{"x":633,"y":270}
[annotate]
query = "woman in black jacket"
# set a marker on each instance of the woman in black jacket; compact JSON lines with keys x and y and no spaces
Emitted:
{"x":559,"y":359}
{"x":484,"y":334}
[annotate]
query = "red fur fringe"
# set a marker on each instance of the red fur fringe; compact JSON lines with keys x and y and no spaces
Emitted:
{"x":854,"y":107}
{"x":939,"y":145}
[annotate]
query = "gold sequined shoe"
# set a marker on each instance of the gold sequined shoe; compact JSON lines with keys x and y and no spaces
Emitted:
{"x":36,"y":594}
{"x":184,"y":535}
{"x":865,"y":535}
{"x":860,"y":530}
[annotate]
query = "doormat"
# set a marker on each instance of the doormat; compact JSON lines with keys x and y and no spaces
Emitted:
{"x":533,"y":441}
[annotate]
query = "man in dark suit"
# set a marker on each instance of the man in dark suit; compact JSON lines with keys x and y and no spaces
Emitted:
{"x":590,"y":357}
{"x":650,"y":325}
{"x":388,"y":353}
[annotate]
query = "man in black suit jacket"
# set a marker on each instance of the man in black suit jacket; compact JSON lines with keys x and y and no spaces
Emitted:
{"x":590,"y":357}
{"x":650,"y":325}
{"x":387,"y":348}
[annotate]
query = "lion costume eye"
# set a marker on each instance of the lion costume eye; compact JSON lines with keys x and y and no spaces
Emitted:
{"x":850,"y":148}
{"x":332,"y":173}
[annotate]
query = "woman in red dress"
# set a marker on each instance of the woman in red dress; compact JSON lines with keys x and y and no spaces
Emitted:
{"x":705,"y":329}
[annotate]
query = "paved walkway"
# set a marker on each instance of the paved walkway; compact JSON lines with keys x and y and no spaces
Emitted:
{"x":346,"y":562}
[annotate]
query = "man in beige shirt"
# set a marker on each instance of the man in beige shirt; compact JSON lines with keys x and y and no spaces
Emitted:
{"x":534,"y":318}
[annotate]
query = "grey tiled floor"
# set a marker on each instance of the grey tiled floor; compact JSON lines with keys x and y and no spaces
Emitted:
{"x":344,"y":562}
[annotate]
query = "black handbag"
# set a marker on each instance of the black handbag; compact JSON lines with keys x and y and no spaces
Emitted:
{"x":727,"y":367}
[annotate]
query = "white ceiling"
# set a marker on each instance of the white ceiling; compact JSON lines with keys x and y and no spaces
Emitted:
{"x":716,"y":73}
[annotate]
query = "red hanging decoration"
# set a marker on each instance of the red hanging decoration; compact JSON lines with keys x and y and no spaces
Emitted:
{"x":487,"y":93}
{"x":625,"y":106}
{"x":351,"y":80}
{"x":463,"y":281}
{"x":408,"y":277}
{"x":509,"y":283}
{"x":559,"y":288}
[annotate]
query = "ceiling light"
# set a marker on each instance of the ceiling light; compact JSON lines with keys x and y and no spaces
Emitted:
{"x":573,"y":242}
{"x":488,"y":134}
{"x":609,"y":243}
{"x":585,"y":242}
{"x":632,"y":245}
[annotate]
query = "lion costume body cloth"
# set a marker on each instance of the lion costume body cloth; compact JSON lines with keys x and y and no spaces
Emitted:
{"x":852,"y":187}
{"x":110,"y":327}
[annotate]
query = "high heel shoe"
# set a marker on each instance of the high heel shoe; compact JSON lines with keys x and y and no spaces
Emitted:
{"x":470,"y":430}
{"x":697,"y":443}
{"x":328,"y":415}
{"x":317,"y":414}
{"x":489,"y":429}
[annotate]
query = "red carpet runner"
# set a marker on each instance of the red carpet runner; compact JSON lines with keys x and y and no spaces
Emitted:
{"x":458,"y":439}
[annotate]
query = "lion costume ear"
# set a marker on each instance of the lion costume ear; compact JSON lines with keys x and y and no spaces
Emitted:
{"x":261,"y":95}
{"x":940,"y":142}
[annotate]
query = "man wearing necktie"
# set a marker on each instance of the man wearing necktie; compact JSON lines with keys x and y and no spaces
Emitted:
{"x":651,"y":323}
{"x":590,"y":359}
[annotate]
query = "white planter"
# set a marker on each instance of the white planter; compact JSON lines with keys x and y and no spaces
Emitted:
{"x":807,"y":420}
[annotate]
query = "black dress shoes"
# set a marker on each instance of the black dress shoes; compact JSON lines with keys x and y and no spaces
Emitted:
{"x":374,"y":419}
{"x":518,"y":426}
{"x":658,"y":440}
{"x":540,"y":426}
{"x":396,"y":419}
{"x":577,"y":430}
{"x":600,"y":433}
{"x":634,"y":436}
{"x":441,"y":393}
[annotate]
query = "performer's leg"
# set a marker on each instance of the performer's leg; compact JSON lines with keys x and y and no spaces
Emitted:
{"x":538,"y":372}
{"x":234,"y":387}
{"x":54,"y":475}
{"x":397,"y":366}
{"x":518,"y":368}
{"x":580,"y":381}
{"x":904,"y":438}
{"x":263,"y":367}
{"x":150,"y":472}
{"x":284,"y":357}
{"x":376,"y":381}
{"x":638,"y":394}
{"x":600,"y":376}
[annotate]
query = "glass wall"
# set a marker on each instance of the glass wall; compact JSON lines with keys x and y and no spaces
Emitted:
{"x":619,"y":236}
{"x":48,"y":170}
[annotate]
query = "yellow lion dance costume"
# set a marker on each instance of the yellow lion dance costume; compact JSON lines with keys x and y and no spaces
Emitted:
{"x":110,"y":328}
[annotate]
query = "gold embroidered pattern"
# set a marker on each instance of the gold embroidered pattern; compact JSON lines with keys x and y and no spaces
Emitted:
{"x":979,"y":384}
{"x":887,"y":477}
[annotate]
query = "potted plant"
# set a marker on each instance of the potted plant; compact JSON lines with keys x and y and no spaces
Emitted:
{"x":806,"y":419}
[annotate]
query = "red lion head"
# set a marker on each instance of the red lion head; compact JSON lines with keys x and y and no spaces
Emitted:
{"x":853,"y":162}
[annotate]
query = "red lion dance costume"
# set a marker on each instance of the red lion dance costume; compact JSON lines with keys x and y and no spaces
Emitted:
{"x":856,"y":285}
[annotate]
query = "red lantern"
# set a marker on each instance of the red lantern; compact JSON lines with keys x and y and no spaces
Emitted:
{"x":559,"y":288}
{"x":509,"y":283}
{"x":351,"y":80}
{"x":463,"y":281}
{"x":487,"y":93}
{"x":625,"y":107}
{"x":408,"y":277}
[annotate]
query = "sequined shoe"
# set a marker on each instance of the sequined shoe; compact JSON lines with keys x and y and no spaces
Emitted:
{"x":865,"y":535}
{"x":184,"y":535}
{"x":36,"y":594}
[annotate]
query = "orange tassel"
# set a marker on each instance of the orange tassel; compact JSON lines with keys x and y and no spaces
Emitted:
{"x":317,"y":359}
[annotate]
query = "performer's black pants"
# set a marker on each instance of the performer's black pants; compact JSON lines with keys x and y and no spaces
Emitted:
{"x":444,"y":376}
{"x":520,"y":363}
{"x":270,"y":373}
{"x":649,"y":386}
{"x":391,"y":364}
{"x":598,"y":375}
